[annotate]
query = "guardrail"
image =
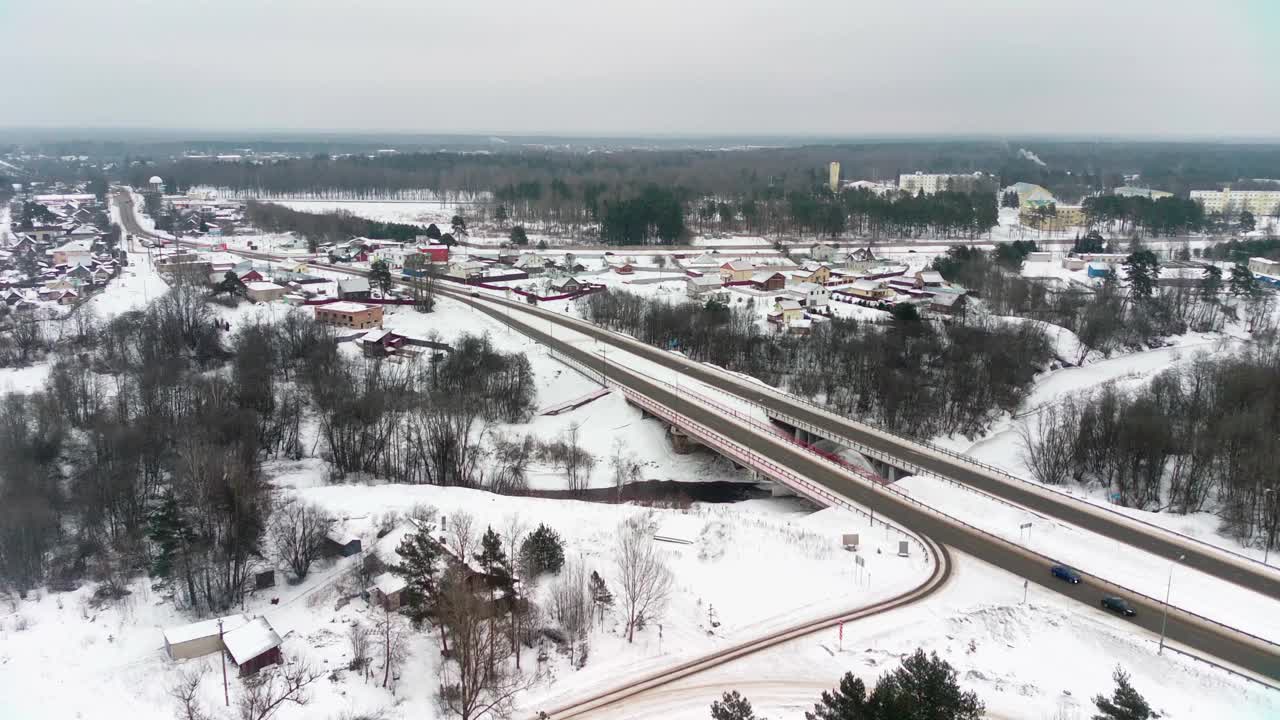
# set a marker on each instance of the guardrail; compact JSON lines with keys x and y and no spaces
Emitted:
{"x":1046,"y":560}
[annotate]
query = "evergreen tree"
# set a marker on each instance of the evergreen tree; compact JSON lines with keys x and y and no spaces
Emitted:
{"x":542,"y":552}
{"x":448,"y":239}
{"x":168,"y":530}
{"x":1211,"y":283}
{"x":1242,"y":281}
{"x":1124,"y":704}
{"x":500,"y":214}
{"x":459,"y":225}
{"x":1247,"y":222}
{"x":1092,"y":242}
{"x":380,"y":274}
{"x":419,"y":554}
{"x":924,"y":687}
{"x":433,"y":232}
{"x":518,"y":236}
{"x":847,"y":702}
{"x":542,"y":244}
{"x":232,"y":285}
{"x":600,"y":595}
{"x":732,"y":706}
{"x":1142,"y":268}
{"x":491,"y":556}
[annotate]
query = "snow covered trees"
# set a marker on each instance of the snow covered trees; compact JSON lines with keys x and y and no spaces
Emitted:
{"x":419,"y":553}
{"x":1124,"y":704}
{"x":542,"y":552}
{"x":924,"y":686}
{"x":475,"y":681}
{"x":732,"y":706}
{"x":644,"y":580}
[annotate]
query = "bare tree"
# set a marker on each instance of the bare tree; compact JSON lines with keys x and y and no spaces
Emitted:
{"x":571,"y":602}
{"x":186,"y":692}
{"x":474,"y":682}
{"x":266,"y":692}
{"x":461,"y":533}
{"x":576,"y":461}
{"x":514,"y":530}
{"x":391,"y":638}
{"x":358,"y":637}
{"x":643,"y":577}
{"x":1049,"y":443}
{"x":625,"y":467}
{"x":298,"y":534}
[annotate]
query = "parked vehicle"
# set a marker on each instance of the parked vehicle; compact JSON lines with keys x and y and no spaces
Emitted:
{"x":1062,"y":572}
{"x":1119,"y":606}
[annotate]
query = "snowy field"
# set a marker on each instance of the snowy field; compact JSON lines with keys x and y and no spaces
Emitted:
{"x":1042,"y":660}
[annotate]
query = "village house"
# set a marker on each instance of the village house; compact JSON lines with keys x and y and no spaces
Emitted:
{"x":786,"y":311}
{"x":1264,"y":266}
{"x":802,"y":326}
{"x":75,"y":252}
{"x":873,"y":290}
{"x":811,"y":295}
{"x":387,"y":591}
{"x":811,"y":272}
{"x":264,"y":291}
{"x":438,"y":253}
{"x":737,"y":271}
{"x":823,"y":252}
{"x":768,"y":281}
{"x":950,"y":303}
{"x":1073,"y":263}
{"x":564,"y":286}
{"x":466,"y":269}
{"x":860,"y":260}
{"x":625,"y":269}
{"x":705,"y":261}
{"x":531,"y":263}
{"x":345,"y":313}
{"x":340,"y":542}
{"x":353,"y":288}
{"x":929,"y":279}
{"x":700,"y":286}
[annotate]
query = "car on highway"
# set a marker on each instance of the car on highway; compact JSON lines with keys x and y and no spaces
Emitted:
{"x":1062,"y":572}
{"x":1118,"y":605}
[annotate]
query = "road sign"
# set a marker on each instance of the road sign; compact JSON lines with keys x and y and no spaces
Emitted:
{"x":1024,"y":526}
{"x":850,"y":541}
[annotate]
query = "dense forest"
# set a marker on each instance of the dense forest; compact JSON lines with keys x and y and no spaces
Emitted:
{"x":912,"y":376}
{"x":1199,"y":436}
{"x":319,"y":228}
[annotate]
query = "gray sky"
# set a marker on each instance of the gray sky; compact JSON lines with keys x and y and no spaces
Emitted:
{"x":847,"y":67}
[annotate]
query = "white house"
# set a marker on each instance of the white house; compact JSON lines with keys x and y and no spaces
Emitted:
{"x":823,"y":252}
{"x":811,"y":294}
{"x":703,"y":285}
{"x":200,"y":638}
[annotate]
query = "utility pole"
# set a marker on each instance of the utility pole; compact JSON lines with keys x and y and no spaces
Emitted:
{"x":226,"y":698}
{"x":1164,"y":620}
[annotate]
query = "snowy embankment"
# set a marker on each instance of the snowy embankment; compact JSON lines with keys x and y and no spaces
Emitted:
{"x":1039,"y":659}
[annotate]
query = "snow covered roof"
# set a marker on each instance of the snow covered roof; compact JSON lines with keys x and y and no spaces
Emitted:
{"x":866,"y":285}
{"x":946,"y":299}
{"x":704,"y":281}
{"x":789,"y":305}
{"x":250,"y":640}
{"x":738,"y":265}
{"x":1263,"y":261}
{"x":806,"y":287}
{"x":389,"y":583}
{"x":155,"y":180}
{"x":763,"y":276}
{"x":344,"y":306}
{"x":374,"y":336}
{"x":802,"y":324}
{"x":355,"y":284}
{"x":931,"y":276}
{"x":263,"y":286}
{"x":204,"y":628}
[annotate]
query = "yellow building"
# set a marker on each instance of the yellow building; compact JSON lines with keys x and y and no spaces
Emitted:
{"x":1232,"y":202}
{"x":1064,"y":216}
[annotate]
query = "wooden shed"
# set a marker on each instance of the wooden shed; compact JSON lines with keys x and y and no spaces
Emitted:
{"x":388,"y":591}
{"x":200,"y":638}
{"x":253,"y":646}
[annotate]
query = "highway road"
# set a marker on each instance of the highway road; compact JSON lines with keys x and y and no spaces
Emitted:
{"x":1184,"y":629}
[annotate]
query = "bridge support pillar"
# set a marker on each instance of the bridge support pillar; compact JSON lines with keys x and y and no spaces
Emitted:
{"x":681,"y":442}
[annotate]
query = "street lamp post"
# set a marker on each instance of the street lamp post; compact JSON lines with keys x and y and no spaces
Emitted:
{"x":1164,"y":620}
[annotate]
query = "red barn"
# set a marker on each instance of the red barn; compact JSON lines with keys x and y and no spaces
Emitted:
{"x":253,"y":646}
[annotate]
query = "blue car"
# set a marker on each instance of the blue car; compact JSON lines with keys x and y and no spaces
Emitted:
{"x":1062,"y":572}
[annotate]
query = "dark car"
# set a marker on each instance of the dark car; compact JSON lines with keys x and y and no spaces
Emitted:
{"x":1119,"y":606}
{"x":1062,"y":572}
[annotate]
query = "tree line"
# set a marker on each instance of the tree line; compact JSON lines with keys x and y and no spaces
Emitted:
{"x":1198,"y":436}
{"x":915,"y":377}
{"x":320,"y":228}
{"x":1135,"y":215}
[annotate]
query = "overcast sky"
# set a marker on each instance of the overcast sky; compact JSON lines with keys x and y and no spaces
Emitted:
{"x":847,"y":67}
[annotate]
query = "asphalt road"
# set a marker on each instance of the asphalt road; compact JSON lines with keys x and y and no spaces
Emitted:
{"x":1243,"y":572}
{"x":1197,"y":634}
{"x":1201,"y":635}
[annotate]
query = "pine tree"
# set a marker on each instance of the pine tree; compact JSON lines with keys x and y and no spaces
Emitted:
{"x":419,"y":554}
{"x":732,"y":706}
{"x":925,"y":686}
{"x":1125,"y":703}
{"x":1211,"y":283}
{"x":848,"y":702}
{"x":542,"y":552}
{"x":433,"y":232}
{"x":600,"y":595}
{"x":1242,"y":281}
{"x":459,"y":225}
{"x":491,"y":556}
{"x":518,"y":236}
{"x":380,"y":274}
{"x":1142,"y":268}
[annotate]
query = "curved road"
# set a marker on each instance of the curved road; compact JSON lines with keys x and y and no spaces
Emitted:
{"x":1199,"y":634}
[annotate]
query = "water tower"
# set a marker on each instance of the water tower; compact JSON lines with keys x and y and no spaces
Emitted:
{"x":155,"y":184}
{"x":833,"y":176}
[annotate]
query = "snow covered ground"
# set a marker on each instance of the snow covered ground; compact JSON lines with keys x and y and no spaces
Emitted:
{"x":1044,"y":659}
